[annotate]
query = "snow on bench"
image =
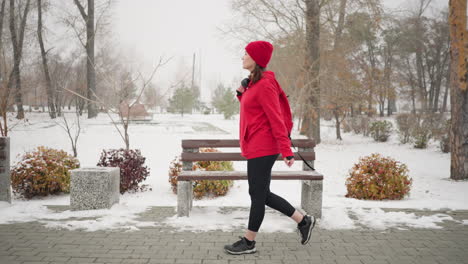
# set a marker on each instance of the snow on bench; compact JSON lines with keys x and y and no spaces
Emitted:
{"x":311,"y":196}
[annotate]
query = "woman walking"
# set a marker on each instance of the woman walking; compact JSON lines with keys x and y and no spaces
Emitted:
{"x":263,"y":137}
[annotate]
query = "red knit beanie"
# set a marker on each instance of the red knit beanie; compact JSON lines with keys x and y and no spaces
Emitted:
{"x":260,"y":52}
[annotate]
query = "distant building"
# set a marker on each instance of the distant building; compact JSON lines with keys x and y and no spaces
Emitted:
{"x":137,"y":112}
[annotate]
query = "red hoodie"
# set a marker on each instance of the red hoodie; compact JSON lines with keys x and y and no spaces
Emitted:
{"x":262,"y":130}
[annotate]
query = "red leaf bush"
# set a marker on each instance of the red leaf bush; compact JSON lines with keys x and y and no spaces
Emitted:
{"x":131,"y":164}
{"x":378,"y":178}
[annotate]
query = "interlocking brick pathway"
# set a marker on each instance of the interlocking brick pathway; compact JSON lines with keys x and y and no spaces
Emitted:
{"x":33,"y":243}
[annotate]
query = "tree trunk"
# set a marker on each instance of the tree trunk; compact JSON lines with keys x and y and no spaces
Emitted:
{"x":459,"y":91}
{"x":371,"y":56}
{"x":337,"y":122}
{"x":412,"y":86}
{"x":4,"y":90}
{"x":435,"y":104}
{"x":391,"y":106}
{"x":90,"y":70}
{"x":420,"y":68}
{"x":49,"y":89}
{"x":127,"y":138}
{"x":17,"y":44}
{"x":340,"y":26}
{"x":58,"y":103}
{"x":413,"y":99}
{"x":439,"y":79}
{"x":391,"y":103}
{"x":447,"y":86}
{"x":387,"y":80}
{"x":311,"y":120}
{"x":336,"y":46}
{"x":2,"y":14}
{"x":382,"y":109}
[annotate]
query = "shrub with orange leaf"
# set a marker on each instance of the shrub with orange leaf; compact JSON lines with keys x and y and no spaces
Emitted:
{"x":42,"y":172}
{"x":203,"y":188}
{"x":378,"y":178}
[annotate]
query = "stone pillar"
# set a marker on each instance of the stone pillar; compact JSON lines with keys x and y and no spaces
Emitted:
{"x":185,"y":188}
{"x":183,"y":199}
{"x":311,"y":197}
{"x":94,"y":188}
{"x":5,"y":178}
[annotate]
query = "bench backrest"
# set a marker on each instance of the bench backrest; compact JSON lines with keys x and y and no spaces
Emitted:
{"x":191,"y":150}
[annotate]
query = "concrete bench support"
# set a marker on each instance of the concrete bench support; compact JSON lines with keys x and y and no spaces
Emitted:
{"x":184,"y":198}
{"x":185,"y":188}
{"x":311,"y":198}
{"x":312,"y":191}
{"x":5,"y":178}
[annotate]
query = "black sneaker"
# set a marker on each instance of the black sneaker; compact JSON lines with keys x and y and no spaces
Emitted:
{"x":240,"y":247}
{"x":306,"y":230}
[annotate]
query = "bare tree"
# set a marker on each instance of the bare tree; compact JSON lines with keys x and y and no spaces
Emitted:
{"x":298,"y":44}
{"x":423,"y":48}
{"x":73,"y":130}
{"x":459,"y":90}
{"x":2,"y":15}
{"x":4,"y":88}
{"x":311,"y":120}
{"x":386,"y":89}
{"x":94,"y":19}
{"x":17,"y":39}
{"x":90,"y":71}
{"x":268,"y":19}
{"x":49,"y":88}
{"x":4,"y":98}
{"x":124,"y":113}
{"x":118,"y":86}
{"x":63,"y":72}
{"x":423,"y":4}
{"x":343,"y":87}
{"x":437,"y":60}
{"x":340,"y":25}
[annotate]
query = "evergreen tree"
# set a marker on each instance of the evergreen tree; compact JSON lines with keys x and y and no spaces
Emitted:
{"x":182,"y":101}
{"x":225,"y":101}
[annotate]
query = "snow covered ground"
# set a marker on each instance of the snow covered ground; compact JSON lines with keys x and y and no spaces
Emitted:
{"x":160,"y":143}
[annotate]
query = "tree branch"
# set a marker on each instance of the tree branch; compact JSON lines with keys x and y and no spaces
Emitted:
{"x":81,"y":8}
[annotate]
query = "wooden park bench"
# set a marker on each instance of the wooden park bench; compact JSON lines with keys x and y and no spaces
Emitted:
{"x":311,"y":196}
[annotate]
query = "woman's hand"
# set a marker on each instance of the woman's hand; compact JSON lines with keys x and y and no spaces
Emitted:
{"x":289,"y":162}
{"x":241,"y":89}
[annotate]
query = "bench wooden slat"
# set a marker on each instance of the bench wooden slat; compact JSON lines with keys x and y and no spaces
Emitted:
{"x":242,"y":175}
{"x":226,"y":156}
{"x":234,"y":143}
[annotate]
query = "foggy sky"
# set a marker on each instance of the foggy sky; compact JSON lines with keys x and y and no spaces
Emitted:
{"x":148,"y":29}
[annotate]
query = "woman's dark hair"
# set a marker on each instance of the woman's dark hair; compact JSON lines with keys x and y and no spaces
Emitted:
{"x":256,"y":74}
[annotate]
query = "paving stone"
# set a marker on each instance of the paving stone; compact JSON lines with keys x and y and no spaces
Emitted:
{"x":31,"y":242}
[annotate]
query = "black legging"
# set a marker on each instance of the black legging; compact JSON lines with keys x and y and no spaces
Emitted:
{"x":259,"y":176}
